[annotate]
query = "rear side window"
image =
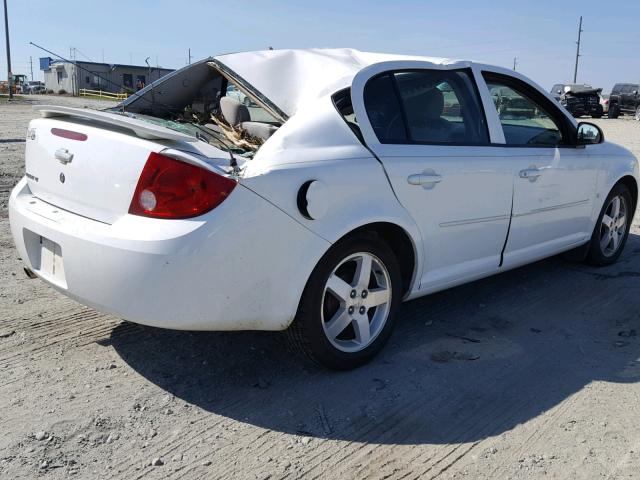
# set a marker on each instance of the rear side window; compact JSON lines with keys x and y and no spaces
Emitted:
{"x":616,"y":88}
{"x":438,"y":107}
{"x":383,"y":110}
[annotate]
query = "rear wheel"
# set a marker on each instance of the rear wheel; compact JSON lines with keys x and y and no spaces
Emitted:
{"x":346,"y":312}
{"x":612,"y":229}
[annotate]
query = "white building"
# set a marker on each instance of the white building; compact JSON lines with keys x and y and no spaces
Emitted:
{"x":73,"y":76}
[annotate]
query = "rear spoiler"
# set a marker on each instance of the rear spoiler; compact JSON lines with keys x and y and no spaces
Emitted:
{"x":140,"y":128}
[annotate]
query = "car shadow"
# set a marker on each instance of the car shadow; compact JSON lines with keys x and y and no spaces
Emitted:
{"x":462,"y":365}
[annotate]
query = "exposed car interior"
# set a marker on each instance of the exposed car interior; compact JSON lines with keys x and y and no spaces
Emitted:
{"x":203,"y":97}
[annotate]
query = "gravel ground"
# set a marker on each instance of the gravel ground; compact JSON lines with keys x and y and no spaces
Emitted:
{"x":531,"y":373}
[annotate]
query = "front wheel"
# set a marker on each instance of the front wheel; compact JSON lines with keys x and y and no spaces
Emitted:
{"x":612,"y":229}
{"x":347,"y":308}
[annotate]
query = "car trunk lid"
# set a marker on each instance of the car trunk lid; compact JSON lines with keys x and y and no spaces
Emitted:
{"x":89,"y":164}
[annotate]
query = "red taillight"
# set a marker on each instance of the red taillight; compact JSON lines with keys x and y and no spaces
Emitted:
{"x":169,"y":188}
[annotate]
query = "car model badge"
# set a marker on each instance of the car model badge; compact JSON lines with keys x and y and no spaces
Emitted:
{"x":62,"y":178}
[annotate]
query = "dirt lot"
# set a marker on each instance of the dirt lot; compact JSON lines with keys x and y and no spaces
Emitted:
{"x":528,"y":374}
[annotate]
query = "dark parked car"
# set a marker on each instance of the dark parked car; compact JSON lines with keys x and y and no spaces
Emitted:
{"x":625,"y":98}
{"x":578,"y":99}
{"x":512,"y":106}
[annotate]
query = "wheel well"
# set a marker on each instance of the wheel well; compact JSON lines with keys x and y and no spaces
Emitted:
{"x":631,"y":184}
{"x":399,"y":242}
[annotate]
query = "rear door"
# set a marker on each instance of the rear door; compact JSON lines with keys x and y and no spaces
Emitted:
{"x":426,"y":125}
{"x":554,"y":182}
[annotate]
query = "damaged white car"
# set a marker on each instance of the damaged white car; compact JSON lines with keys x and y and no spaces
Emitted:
{"x":348,"y":183}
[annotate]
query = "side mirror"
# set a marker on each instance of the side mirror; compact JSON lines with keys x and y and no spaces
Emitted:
{"x":589,"y":134}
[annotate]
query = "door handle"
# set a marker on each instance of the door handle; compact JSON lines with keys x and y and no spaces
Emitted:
{"x":530,"y":173}
{"x":63,"y":155}
{"x":423,"y":179}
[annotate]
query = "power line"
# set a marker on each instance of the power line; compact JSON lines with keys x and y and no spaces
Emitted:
{"x":76,"y":49}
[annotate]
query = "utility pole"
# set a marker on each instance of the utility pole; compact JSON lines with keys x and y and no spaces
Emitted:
{"x":575,"y":72}
{"x":515,"y":61}
{"x":6,"y":32}
{"x":189,"y":56}
{"x":31,"y":66}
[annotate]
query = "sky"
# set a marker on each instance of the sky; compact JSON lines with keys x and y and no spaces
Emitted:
{"x":541,"y":35}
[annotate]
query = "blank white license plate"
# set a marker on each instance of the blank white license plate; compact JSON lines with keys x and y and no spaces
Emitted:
{"x":51,"y":265}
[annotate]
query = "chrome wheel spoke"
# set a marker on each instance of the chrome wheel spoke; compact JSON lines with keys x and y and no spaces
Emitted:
{"x":622,"y":220}
{"x":362,"y":329}
{"x":615,"y":241}
{"x":363,"y":272}
{"x":607,"y":221}
{"x":377,"y":297}
{"x":338,"y":287}
{"x":338,"y":323}
{"x":615,"y":204}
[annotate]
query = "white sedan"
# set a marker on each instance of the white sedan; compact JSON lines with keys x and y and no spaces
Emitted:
{"x":361,"y":180}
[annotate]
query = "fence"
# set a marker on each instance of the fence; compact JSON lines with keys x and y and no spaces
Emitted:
{"x":102,"y":94}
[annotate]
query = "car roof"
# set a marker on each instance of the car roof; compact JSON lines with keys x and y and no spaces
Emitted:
{"x":291,"y":78}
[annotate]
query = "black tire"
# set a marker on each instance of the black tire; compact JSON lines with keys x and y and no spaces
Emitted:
{"x":307,"y":332}
{"x":614,"y":111}
{"x":597,"y":256}
{"x":597,"y":115}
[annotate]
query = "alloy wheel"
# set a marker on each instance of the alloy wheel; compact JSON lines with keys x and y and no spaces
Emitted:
{"x":356,"y":302}
{"x":613,"y":226}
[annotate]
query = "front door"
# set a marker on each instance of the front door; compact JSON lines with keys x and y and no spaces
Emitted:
{"x":427,"y":127}
{"x":554,"y":183}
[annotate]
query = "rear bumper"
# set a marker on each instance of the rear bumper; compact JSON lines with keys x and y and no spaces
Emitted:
{"x":240,"y":267}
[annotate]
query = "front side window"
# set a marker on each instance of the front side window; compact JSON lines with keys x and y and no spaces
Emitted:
{"x":525,"y":121}
{"x":426,"y":107}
